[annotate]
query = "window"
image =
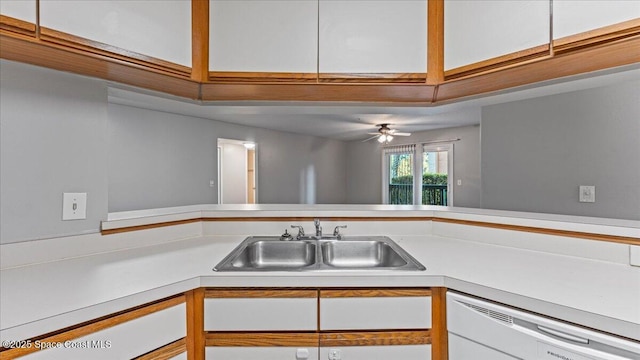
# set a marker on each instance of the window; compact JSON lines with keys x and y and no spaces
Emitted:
{"x":434,"y":163}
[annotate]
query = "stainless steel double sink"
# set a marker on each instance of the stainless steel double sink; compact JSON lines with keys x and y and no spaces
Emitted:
{"x":260,"y":253}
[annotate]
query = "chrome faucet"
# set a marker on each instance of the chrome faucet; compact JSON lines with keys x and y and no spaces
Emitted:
{"x":316,"y":222}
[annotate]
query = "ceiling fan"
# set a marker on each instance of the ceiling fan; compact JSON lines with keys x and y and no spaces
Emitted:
{"x":385,"y":134}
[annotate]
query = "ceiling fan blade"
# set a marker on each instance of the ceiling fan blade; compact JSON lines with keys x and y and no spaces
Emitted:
{"x":401,"y":134}
{"x":375,"y":133}
{"x":371,"y":138}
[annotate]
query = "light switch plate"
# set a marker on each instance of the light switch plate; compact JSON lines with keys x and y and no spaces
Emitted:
{"x":587,"y":194}
{"x":74,"y":206}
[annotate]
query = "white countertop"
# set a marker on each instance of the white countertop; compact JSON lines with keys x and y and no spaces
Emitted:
{"x":44,"y":297}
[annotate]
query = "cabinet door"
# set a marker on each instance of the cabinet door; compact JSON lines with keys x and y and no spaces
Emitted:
{"x":19,"y":9}
{"x":261,"y":353}
{"x":158,"y":29}
{"x":373,"y":36}
{"x":475,"y":31}
{"x":123,"y":341}
{"x":404,"y":352}
{"x":263,"y":36}
{"x":576,"y":16}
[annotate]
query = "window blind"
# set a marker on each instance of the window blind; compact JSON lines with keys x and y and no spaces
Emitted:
{"x":399,"y":149}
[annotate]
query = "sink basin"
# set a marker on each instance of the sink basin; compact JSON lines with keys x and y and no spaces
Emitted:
{"x":361,"y":254}
{"x":276,"y":254}
{"x":263,"y":253}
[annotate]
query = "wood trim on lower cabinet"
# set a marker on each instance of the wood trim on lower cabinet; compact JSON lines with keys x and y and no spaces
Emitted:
{"x":390,"y":292}
{"x":166,"y":352}
{"x":376,"y":338}
{"x":247,"y":293}
{"x":605,"y":34}
{"x":95,"y":325}
{"x":386,"y":78}
{"x":13,"y":25}
{"x":261,"y":339}
{"x":261,"y":77}
{"x":195,"y":324}
{"x":439,"y":335}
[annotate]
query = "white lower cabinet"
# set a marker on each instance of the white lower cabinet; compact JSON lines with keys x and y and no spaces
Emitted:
{"x":124,"y":341}
{"x":260,"y":353}
{"x":395,"y":352}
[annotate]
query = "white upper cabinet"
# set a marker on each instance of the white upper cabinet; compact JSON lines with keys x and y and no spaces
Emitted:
{"x":475,"y":31}
{"x":373,"y":36}
{"x":158,"y":29}
{"x":263,"y":35}
{"x":575,"y":16}
{"x":19,"y":9}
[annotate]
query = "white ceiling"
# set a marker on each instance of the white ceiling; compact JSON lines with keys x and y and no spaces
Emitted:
{"x":354,"y":121}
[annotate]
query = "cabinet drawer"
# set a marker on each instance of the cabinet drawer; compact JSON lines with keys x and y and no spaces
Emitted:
{"x":352,"y":311}
{"x":275,"y":311}
{"x":404,"y":352}
{"x":261,"y":353}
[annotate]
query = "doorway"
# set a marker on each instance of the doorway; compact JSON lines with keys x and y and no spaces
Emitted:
{"x":437,"y":174}
{"x":237,"y":173}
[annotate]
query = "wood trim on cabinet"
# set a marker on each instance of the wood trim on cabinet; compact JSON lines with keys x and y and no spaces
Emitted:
{"x":609,"y":55}
{"x":435,"y":42}
{"x":499,"y":62}
{"x":166,"y":352}
{"x":199,"y":40}
{"x":63,"y":58}
{"x":148,"y":226}
{"x":13,"y":25}
{"x":410,"y":94}
{"x":439,"y":336}
{"x":95,"y":325}
{"x":223,"y":293}
{"x":556,"y":232}
{"x":260,"y":77}
{"x":360,"y":78}
{"x":390,"y":292}
{"x":376,"y":338}
{"x":605,"y":34}
{"x":95,"y":47}
{"x":565,"y":233}
{"x":261,"y":339}
{"x":195,"y":324}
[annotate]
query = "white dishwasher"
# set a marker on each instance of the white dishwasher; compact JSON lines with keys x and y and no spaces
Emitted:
{"x":481,"y":330}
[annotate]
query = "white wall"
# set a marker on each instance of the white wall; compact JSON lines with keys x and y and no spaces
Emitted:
{"x":536,"y":152}
{"x":53,"y":140}
{"x":364,"y":184}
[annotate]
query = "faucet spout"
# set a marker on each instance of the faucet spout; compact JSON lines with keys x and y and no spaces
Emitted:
{"x":316,"y":222}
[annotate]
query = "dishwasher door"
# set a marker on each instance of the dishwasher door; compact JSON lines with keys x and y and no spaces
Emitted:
{"x":482,"y":330}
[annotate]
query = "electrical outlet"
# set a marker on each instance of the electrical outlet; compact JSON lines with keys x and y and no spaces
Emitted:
{"x":74,"y":206}
{"x":587,"y":194}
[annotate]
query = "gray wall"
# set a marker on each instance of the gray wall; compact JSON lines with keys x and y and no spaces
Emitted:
{"x":158,"y":159}
{"x":536,"y":152}
{"x":53,"y":140}
{"x":58,"y":134}
{"x":364,"y":160}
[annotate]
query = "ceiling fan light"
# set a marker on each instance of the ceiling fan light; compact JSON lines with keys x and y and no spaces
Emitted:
{"x":389,"y":138}
{"x":382,"y":138}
